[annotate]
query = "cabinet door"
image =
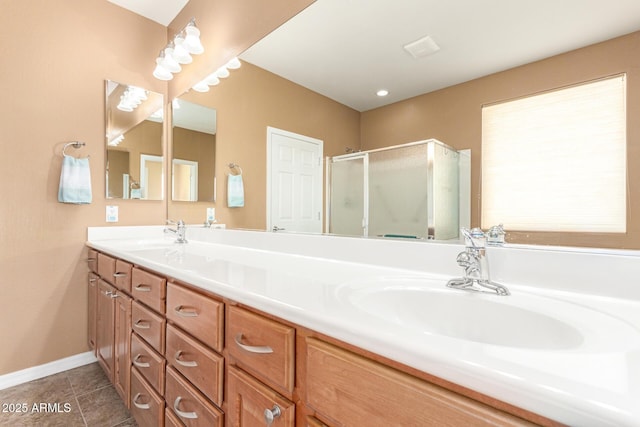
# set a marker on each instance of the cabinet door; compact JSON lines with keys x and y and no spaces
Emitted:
{"x":251,"y":403}
{"x":105,"y":327}
{"x":92,"y":302}
{"x":122,"y":340}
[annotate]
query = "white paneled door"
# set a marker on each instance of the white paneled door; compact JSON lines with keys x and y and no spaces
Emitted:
{"x":294,"y":182}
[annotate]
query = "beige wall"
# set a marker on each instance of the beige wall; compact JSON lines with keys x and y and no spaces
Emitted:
{"x":55,"y":58}
{"x":200,"y":147}
{"x":453,"y":115}
{"x":246,"y":103}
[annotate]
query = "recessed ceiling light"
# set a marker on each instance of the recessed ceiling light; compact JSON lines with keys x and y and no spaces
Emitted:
{"x":382,"y":92}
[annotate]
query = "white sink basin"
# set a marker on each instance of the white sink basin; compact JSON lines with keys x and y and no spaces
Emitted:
{"x":521,"y":320}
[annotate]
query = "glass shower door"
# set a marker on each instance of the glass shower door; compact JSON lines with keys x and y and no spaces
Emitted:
{"x":349,"y":196}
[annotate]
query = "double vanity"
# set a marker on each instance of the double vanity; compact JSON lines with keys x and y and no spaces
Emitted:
{"x":257,"y":328}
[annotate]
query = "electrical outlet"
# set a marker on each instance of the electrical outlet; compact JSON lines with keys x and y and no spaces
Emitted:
{"x":211,"y":214}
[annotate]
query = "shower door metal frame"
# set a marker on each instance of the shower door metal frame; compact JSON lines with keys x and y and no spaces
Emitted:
{"x":365,"y":186}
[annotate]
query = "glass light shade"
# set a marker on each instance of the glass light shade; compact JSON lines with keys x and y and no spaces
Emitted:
{"x":222,"y":73}
{"x":212,"y":80}
{"x":201,"y":87}
{"x":169,"y":63}
{"x":160,"y":72}
{"x":233,"y":64}
{"x":192,"y":40}
{"x":180,"y":52}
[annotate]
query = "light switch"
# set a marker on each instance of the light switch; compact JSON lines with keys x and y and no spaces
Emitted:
{"x":112,"y":214}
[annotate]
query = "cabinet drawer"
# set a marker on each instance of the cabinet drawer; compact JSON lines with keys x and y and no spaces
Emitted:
{"x":171,"y":419}
{"x":92,"y":260}
{"x":199,"y":315}
{"x":352,"y":390}
{"x":203,"y":367}
{"x":148,"y":325}
{"x":147,"y":407}
{"x":189,"y":404}
{"x":106,"y":267}
{"x":122,"y":276}
{"x":249,"y":402}
{"x":149,"y":363}
{"x":262,"y":347}
{"x":148,"y":288}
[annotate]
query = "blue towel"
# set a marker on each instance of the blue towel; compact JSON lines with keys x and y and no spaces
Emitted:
{"x":75,"y":181}
{"x":235,"y":191}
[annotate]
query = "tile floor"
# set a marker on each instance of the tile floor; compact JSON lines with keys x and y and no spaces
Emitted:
{"x":81,"y":397}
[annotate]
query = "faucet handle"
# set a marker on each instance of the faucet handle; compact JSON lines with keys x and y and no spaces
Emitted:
{"x":474,"y":238}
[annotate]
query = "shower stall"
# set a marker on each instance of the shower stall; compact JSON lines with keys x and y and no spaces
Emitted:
{"x":410,"y":190}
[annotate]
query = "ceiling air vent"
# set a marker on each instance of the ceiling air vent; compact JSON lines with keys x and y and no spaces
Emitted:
{"x":422,"y":47}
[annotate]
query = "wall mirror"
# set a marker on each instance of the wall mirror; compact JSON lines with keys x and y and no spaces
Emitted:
{"x":134,"y":153}
{"x":193,"y":152}
{"x":263,"y":92}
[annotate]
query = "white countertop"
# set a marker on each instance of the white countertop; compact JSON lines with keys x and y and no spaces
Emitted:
{"x":593,"y":385}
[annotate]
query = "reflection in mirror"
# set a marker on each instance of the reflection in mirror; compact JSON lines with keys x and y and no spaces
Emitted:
{"x":134,"y":163}
{"x":194,"y":152}
{"x":413,"y":190}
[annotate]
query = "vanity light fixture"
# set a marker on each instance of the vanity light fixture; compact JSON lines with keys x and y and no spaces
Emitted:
{"x":178,"y":51}
{"x":115,"y":141}
{"x":131,"y":98}
{"x":213,"y":79}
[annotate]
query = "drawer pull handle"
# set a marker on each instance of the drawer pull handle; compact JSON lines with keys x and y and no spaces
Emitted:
{"x":185,"y":363}
{"x":183,"y":414}
{"x":271,"y":414}
{"x":107,"y":293}
{"x":136,"y":362}
{"x":116,"y":275}
{"x":93,"y":280}
{"x":143,"y":288}
{"x":140,"y":405}
{"x":263,"y":349}
{"x":92,"y":259}
{"x":180,"y":311}
{"x":142,"y":324}
{"x":114,"y":295}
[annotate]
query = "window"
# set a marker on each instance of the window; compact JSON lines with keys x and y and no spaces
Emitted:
{"x":557,"y":161}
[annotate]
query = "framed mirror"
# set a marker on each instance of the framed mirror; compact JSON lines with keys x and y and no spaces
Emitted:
{"x":193,"y":152}
{"x":134,"y":153}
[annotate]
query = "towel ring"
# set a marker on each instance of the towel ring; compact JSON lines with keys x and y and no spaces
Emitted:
{"x":236,"y":166}
{"x":75,"y":144}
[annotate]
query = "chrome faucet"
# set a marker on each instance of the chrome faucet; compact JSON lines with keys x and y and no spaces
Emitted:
{"x":476,"y":266}
{"x":179,"y":231}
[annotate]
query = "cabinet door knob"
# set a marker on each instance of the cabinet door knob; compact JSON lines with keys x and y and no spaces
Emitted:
{"x":140,"y":405}
{"x":252,"y":348}
{"x":271,"y":414}
{"x":183,"y":414}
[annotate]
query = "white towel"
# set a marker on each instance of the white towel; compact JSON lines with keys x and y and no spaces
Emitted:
{"x":75,"y":181}
{"x":235,"y":191}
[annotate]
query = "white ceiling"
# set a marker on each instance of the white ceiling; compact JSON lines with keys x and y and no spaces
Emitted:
{"x":348,"y":49}
{"x":161,"y":11}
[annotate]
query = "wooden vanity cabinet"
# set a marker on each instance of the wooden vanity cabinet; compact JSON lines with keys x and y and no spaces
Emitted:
{"x":147,"y":406}
{"x":188,"y":404}
{"x":189,"y":355}
{"x":200,"y":315}
{"x":149,"y":288}
{"x":105,"y":327}
{"x":263,"y":347}
{"x":251,"y":403}
{"x":348,"y":389}
{"x":122,"y":345}
{"x":92,"y":303}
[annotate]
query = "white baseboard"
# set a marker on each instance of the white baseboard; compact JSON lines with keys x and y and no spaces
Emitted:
{"x":41,"y":371}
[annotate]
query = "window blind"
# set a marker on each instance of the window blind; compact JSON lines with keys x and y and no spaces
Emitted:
{"x":557,"y":161}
